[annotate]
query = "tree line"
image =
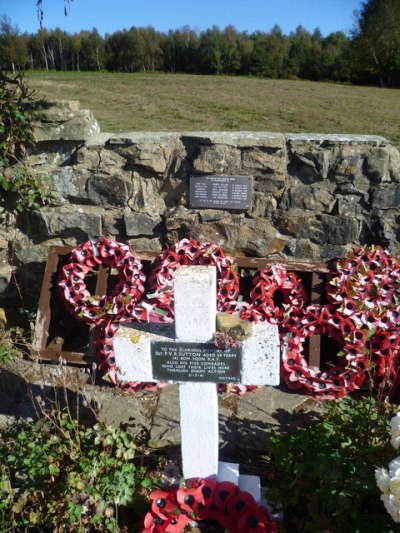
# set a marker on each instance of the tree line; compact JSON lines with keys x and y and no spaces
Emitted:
{"x":370,"y":54}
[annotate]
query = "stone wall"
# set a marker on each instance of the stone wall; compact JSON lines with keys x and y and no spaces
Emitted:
{"x":315,"y":196}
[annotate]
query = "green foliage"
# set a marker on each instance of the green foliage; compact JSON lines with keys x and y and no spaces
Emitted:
{"x":16,"y":135}
{"x":8,"y":351}
{"x":212,"y":51}
{"x":324,"y":474}
{"x":13,"y":49}
{"x":16,"y":132}
{"x":58,"y":475}
{"x":370,"y":55}
{"x":31,"y":190}
{"x":376,"y":42}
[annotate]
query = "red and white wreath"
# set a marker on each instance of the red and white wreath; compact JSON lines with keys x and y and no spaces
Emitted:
{"x":274,"y":293}
{"x":365,"y":286}
{"x":191,"y":252}
{"x":119,"y":304}
{"x":345,"y":376}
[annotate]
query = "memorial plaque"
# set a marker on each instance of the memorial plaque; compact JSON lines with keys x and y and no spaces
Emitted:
{"x":221,"y":192}
{"x":191,"y":361}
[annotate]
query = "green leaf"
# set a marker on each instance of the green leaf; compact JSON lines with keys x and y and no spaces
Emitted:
{"x":53,"y":469}
{"x":146,"y":483}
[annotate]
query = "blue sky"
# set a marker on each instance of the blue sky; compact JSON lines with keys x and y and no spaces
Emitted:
{"x":246,"y":15}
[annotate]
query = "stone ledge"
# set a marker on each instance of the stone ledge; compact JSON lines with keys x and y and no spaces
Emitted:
{"x":337,"y":138}
{"x":234,"y":138}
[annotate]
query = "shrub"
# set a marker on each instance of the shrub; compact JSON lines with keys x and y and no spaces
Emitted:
{"x":16,"y":135}
{"x":16,"y":132}
{"x":56,"y":475}
{"x":324,"y":475}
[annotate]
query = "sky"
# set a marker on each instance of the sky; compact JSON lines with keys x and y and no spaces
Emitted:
{"x":109,"y":16}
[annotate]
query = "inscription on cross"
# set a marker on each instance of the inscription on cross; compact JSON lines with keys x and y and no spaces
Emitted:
{"x":140,"y":356}
{"x":193,"y":361}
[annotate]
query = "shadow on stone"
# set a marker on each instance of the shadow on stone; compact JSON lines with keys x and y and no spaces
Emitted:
{"x":246,"y":427}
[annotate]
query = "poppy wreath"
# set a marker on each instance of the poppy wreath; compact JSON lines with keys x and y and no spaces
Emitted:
{"x":236,"y":510}
{"x":350,"y":371}
{"x":365,"y":287}
{"x":270,"y":286}
{"x":108,"y":311}
{"x":118,"y":305}
{"x":263,"y":307}
{"x":384,"y":348}
{"x":190,"y":252}
{"x":379,"y":351}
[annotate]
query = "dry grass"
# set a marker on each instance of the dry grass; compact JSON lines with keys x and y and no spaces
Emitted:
{"x":180,"y":102}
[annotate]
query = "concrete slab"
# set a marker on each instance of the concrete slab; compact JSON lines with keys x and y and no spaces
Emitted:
{"x":266,"y":412}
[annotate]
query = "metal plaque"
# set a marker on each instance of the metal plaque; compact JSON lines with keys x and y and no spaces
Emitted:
{"x":221,"y":192}
{"x":191,"y":361}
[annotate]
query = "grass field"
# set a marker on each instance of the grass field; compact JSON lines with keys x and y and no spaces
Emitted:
{"x":180,"y":102}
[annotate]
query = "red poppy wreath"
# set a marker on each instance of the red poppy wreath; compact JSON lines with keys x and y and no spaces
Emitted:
{"x":118,"y":305}
{"x":365,"y":286}
{"x":236,"y":510}
{"x":107,"y":311}
{"x":190,"y":252}
{"x":337,"y":381}
{"x":275,"y":292}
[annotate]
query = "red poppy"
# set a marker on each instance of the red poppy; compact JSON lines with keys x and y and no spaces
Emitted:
{"x":163,"y":503}
{"x":358,"y":338}
{"x":189,"y":498}
{"x":207,"y":487}
{"x":241,"y":502}
{"x":215,"y":497}
{"x":189,"y":252}
{"x":364,"y":285}
{"x":255,"y":520}
{"x":225,"y":490}
{"x":178,"y":523}
{"x":241,"y":389}
{"x":154,"y":523}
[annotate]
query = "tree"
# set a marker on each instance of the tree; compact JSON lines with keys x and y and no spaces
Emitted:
{"x":13,"y":50}
{"x":376,"y":41}
{"x":245,"y":50}
{"x":92,"y":50}
{"x":180,"y":50}
{"x":232,"y":56}
{"x":212,"y":51}
{"x":335,"y":59}
{"x":270,"y":54}
{"x":299,"y":54}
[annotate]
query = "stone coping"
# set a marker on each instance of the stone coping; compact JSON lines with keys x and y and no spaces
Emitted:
{"x":236,"y":138}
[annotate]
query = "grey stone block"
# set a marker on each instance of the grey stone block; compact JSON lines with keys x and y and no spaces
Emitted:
{"x":109,"y":190}
{"x":54,"y":222}
{"x":71,"y":184}
{"x":387,"y":196}
{"x":137,"y":224}
{"x":64,"y":122}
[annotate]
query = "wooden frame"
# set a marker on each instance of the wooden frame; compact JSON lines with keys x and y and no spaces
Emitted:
{"x":52,"y":347}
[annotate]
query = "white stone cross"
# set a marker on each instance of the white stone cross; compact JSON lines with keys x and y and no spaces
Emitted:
{"x":195,"y":318}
